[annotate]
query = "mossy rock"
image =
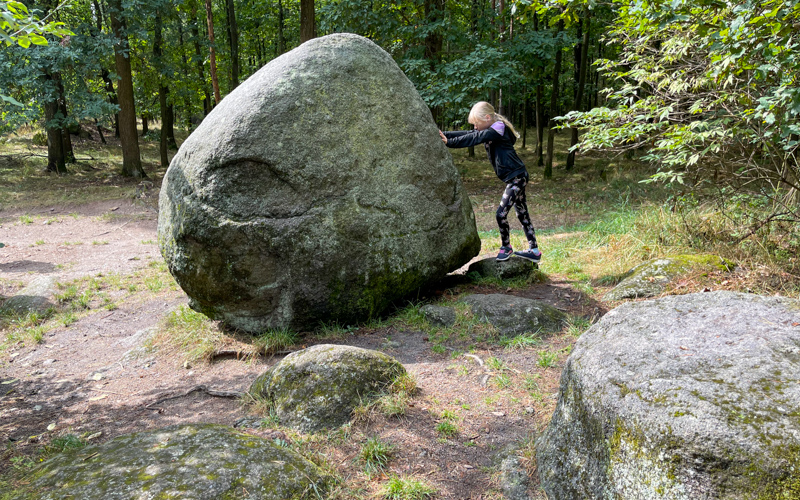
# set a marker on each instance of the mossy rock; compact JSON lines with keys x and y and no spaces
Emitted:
{"x":682,"y":397}
{"x":650,"y":278}
{"x":318,"y":388}
{"x":317,"y":191}
{"x":439,"y":315}
{"x":507,"y":269}
{"x":197,"y":462}
{"x":513,"y":315}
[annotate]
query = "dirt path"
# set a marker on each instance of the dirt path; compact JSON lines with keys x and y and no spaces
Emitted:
{"x":97,"y":375}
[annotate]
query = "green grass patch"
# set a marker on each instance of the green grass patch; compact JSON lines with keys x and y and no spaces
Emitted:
{"x":407,"y":488}
{"x":375,"y":455}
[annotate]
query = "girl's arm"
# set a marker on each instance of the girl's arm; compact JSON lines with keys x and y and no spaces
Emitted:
{"x":464,"y":139}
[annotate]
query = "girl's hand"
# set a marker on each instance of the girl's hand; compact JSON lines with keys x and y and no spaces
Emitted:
{"x":444,"y":139}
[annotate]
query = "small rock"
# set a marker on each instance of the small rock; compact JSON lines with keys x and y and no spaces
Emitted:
{"x":438,"y":315}
{"x":49,"y":361}
{"x":37,"y":408}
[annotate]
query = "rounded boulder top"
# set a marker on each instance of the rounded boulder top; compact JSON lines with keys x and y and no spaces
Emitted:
{"x":318,"y":190}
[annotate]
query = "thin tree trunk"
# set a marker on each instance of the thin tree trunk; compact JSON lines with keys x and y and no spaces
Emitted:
{"x":524,"y":121}
{"x":198,"y":54}
{"x":99,"y":131}
{"x":66,"y":140}
{"x":170,"y":126}
{"x":213,"y":54}
{"x":578,"y":101}
{"x":281,"y":46}
{"x":233,"y":40}
{"x":55,"y":144}
{"x":187,"y":105}
{"x":538,"y":110}
{"x":308,"y":24}
{"x":112,"y":94}
{"x":131,"y":159}
{"x":548,"y":166}
{"x":162,"y":91}
{"x":145,"y":125}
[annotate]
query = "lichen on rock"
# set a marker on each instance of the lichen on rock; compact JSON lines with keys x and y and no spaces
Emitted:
{"x":650,"y":278}
{"x":197,"y":462}
{"x":683,"y":397}
{"x":513,"y":315}
{"x":318,"y":387}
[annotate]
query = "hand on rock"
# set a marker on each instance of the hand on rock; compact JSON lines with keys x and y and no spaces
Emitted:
{"x":444,"y":139}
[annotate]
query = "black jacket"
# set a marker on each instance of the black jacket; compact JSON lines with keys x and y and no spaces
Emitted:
{"x":499,"y":148}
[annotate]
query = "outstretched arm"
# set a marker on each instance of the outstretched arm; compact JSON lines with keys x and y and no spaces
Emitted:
{"x":466,"y":138}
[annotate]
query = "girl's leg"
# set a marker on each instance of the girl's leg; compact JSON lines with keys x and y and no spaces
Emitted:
{"x":521,"y":206}
{"x":509,"y":198}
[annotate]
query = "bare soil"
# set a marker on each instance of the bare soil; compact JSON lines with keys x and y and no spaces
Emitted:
{"x":95,"y":376}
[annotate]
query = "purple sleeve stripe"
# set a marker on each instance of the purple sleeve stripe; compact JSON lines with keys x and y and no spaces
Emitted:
{"x":499,"y":127}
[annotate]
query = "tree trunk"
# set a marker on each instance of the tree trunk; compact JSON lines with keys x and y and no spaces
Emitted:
{"x":162,"y":90}
{"x":145,"y":125}
{"x":213,"y":53}
{"x":524,"y":121}
{"x":66,"y":140}
{"x":187,"y":104}
{"x":99,"y":131}
{"x":538,"y":110}
{"x":233,"y":40}
{"x":578,"y":101}
{"x":170,"y":126}
{"x":112,"y":94}
{"x":198,"y":54}
{"x":55,"y":143}
{"x":308,"y":24}
{"x":281,"y":46}
{"x":548,"y":166}
{"x":434,"y":12}
{"x":131,"y":159}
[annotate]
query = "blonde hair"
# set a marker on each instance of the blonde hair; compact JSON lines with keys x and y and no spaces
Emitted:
{"x":483,"y":108}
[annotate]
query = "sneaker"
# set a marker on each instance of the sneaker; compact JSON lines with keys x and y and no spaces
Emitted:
{"x":533,"y":255}
{"x":505,"y":254}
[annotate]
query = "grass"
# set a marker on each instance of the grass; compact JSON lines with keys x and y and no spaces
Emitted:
{"x":375,"y":455}
{"x":407,"y":488}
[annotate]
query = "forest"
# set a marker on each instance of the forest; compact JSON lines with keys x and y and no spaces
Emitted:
{"x":651,"y":129}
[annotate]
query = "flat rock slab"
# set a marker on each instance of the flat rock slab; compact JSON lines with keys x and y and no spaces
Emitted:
{"x":36,"y":297}
{"x":683,"y":397}
{"x":515,"y":315}
{"x":195,"y":462}
{"x":318,"y":388}
{"x":317,"y":191}
{"x":650,"y":278}
{"x":439,"y":315}
{"x":507,"y":269}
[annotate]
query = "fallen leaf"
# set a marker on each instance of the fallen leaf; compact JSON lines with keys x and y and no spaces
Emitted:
{"x":498,"y":414}
{"x":97,"y":376}
{"x":795,"y":324}
{"x":98,"y":398}
{"x":9,"y":381}
{"x":683,"y":347}
{"x":51,"y":427}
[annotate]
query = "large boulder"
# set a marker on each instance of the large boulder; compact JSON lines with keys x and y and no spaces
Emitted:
{"x":683,"y":397}
{"x":318,"y":190}
{"x":196,"y":462}
{"x":515,"y":315}
{"x":318,"y":388}
{"x":490,"y":267}
{"x":651,"y":278}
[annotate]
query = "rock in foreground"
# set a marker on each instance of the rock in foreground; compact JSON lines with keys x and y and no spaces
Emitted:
{"x":195,"y":462}
{"x":684,"y":397}
{"x":318,"y":387}
{"x":318,"y":190}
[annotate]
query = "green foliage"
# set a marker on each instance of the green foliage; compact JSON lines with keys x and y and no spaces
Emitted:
{"x":710,"y":89}
{"x":407,"y":488}
{"x":375,"y":455}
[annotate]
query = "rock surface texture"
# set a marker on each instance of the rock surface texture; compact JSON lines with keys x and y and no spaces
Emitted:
{"x":195,"y":462}
{"x":36,"y":297}
{"x":318,"y":387}
{"x":650,"y":278}
{"x":439,"y":315}
{"x":511,"y":268}
{"x":684,"y":397}
{"x":318,"y":190}
{"x":515,"y":315}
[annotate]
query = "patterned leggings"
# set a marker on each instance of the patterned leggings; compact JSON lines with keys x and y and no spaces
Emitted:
{"x":515,"y":195}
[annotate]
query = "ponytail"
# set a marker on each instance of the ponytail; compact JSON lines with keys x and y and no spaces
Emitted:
{"x":483,"y":108}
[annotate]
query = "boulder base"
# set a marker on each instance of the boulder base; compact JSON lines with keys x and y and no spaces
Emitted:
{"x":684,"y":397}
{"x":318,"y":190}
{"x":515,"y":315}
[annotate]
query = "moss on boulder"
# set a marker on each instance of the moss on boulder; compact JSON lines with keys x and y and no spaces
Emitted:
{"x":650,"y":278}
{"x":683,"y":397}
{"x":196,"y":462}
{"x":318,"y":387}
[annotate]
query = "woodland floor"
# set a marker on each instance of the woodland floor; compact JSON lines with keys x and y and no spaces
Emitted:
{"x":98,"y":373}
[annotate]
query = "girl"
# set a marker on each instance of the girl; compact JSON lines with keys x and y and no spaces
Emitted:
{"x":498,"y":137}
